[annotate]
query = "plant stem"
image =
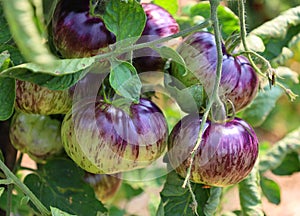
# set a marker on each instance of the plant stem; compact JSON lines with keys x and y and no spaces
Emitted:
{"x":9,"y":196}
{"x":6,"y":181}
{"x":214,"y":97}
{"x":25,"y":189}
{"x":115,"y":53}
{"x":243,"y":23}
{"x":195,"y":204}
{"x":249,"y":52}
{"x":242,"y":12}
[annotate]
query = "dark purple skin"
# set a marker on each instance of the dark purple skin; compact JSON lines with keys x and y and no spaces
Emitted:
{"x":225,"y":156}
{"x":102,"y":138}
{"x":159,"y":23}
{"x":239,"y":82}
{"x":246,"y":86}
{"x":76,"y":33}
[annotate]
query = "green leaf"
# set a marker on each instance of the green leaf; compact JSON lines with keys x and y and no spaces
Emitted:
{"x":250,"y":196}
{"x":57,"y":68}
{"x":213,"y":201}
{"x":59,"y":183}
{"x":20,"y":16}
{"x":262,"y":105}
{"x":160,"y":211}
{"x":58,"y":212}
{"x":7,"y":90}
{"x":48,"y":9}
{"x":271,"y":190}
{"x":255,"y":43}
{"x":276,"y":155}
{"x":125,"y":80}
{"x":127,"y":192}
{"x":177,"y":200}
{"x":17,"y":207}
{"x":24,"y":200}
{"x":225,"y":15}
{"x":278,"y":27}
{"x":4,"y":30}
{"x":115,"y":211}
{"x":4,"y":60}
{"x":294,"y":45}
{"x":289,"y":165}
{"x":278,"y":32}
{"x":153,"y":204}
{"x":190,"y":99}
{"x":60,"y":75}
{"x":171,"y":5}
{"x":1,"y":191}
{"x":15,"y":55}
{"x":6,"y":42}
{"x":1,"y":156}
{"x":169,"y":53}
{"x":283,"y":57}
{"x":126,"y":19}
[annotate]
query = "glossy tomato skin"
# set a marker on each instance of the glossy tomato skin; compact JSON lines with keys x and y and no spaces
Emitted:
{"x":225,"y":156}
{"x":102,"y":138}
{"x":245,"y":89}
{"x":160,"y":23}
{"x":239,"y":82}
{"x":76,"y":33}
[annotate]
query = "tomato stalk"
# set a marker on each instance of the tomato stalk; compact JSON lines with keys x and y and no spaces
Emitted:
{"x":270,"y":75}
{"x":241,"y":9}
{"x":117,"y":52}
{"x":9,"y":175}
{"x":215,"y":101}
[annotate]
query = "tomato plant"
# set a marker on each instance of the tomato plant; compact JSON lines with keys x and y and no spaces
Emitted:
{"x":138,"y":108}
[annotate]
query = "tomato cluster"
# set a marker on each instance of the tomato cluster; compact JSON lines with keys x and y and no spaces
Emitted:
{"x":103,"y":137}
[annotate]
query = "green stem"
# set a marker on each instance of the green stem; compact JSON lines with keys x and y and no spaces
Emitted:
{"x":25,"y":189}
{"x":195,"y":204}
{"x":244,"y":35}
{"x":6,"y":181}
{"x":249,"y":53}
{"x":243,"y":23}
{"x":92,"y":8}
{"x":116,"y":53}
{"x":214,"y":97}
{"x":217,"y":104}
{"x":9,"y":199}
{"x":10,"y":187}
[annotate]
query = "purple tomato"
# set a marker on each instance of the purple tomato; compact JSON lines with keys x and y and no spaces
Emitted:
{"x":239,"y":82}
{"x":103,"y":138}
{"x":159,"y":23}
{"x":226,"y":155}
{"x":76,"y":33}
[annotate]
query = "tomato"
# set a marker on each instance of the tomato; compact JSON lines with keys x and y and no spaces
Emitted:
{"x":160,"y":23}
{"x":36,"y":135}
{"x":103,"y":138}
{"x":239,"y":82}
{"x":226,"y":155}
{"x":76,"y":32}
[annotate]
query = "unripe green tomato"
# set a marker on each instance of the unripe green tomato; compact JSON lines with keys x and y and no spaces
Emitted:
{"x":32,"y":98}
{"x":37,"y":135}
